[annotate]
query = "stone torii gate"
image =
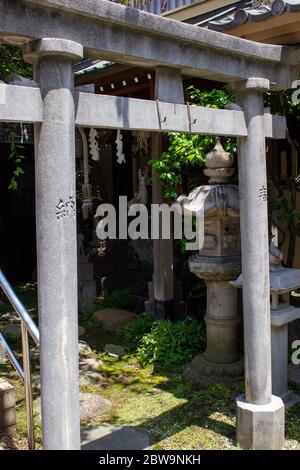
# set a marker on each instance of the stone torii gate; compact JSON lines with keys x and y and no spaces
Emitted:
{"x":57,"y":33}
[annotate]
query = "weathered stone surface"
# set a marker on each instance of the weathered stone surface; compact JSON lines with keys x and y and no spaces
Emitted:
{"x":112,"y":437}
{"x":260,"y":427}
{"x":202,"y":372}
{"x":90,"y":377}
{"x":56,"y":240}
{"x":90,"y":363}
{"x":113,"y":319}
{"x":91,"y":405}
{"x":115,"y":350}
{"x":165,"y":42}
{"x":7,"y":408}
{"x":84,"y":349}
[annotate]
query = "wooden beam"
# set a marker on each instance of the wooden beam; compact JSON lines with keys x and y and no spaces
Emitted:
{"x":271,"y":33}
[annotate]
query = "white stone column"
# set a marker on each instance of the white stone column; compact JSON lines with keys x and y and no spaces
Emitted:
{"x":260,"y":416}
{"x":53,"y":61}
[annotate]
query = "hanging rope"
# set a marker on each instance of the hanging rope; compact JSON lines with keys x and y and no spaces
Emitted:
{"x":94,"y":146}
{"x":87,"y":202}
{"x":119,"y":143}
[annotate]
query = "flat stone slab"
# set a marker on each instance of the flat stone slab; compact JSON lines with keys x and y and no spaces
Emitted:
{"x":112,"y":437}
{"x":113,"y":319}
{"x":91,"y":405}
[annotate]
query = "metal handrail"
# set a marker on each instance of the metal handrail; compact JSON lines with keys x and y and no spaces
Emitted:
{"x":27,"y":325}
{"x":20,"y":309}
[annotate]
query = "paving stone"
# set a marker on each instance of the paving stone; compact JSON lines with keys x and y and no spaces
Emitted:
{"x":113,"y":319}
{"x":112,"y":437}
{"x":91,"y":405}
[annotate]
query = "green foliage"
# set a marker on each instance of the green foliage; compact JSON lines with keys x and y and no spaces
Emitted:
{"x":135,"y":330}
{"x":16,"y":157}
{"x":282,"y":103}
{"x":171,"y":343}
{"x":11,"y":61}
{"x":190,"y":149}
{"x":122,"y":299}
{"x":284,"y":212}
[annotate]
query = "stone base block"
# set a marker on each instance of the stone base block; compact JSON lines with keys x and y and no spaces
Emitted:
{"x":201,"y":372}
{"x":260,"y":427}
{"x":7,"y":408}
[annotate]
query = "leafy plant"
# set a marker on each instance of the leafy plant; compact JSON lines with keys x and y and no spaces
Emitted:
{"x":11,"y":61}
{"x":171,"y":343}
{"x":16,"y":157}
{"x":135,"y":330}
{"x":190,"y":149}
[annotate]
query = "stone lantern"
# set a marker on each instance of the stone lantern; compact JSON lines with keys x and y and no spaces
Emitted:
{"x":282,"y":282}
{"x":217,"y":262}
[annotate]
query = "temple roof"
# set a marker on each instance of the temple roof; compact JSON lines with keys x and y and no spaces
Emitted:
{"x":247,"y":11}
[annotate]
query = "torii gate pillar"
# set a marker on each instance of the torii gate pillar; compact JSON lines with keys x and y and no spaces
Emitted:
{"x":260,"y":415}
{"x":53,"y":61}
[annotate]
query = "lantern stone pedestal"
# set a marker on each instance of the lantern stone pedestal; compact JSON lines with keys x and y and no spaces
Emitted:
{"x":217,"y":262}
{"x":221,"y":360}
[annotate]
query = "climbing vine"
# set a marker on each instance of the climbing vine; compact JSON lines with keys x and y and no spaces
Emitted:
{"x":190,"y":149}
{"x":15,"y":156}
{"x":11,"y":62}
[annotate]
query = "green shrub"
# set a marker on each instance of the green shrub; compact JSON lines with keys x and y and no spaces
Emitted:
{"x":171,"y":343}
{"x":135,"y":330}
